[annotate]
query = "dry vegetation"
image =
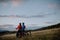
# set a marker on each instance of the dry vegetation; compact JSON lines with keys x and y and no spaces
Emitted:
{"x":49,"y":34}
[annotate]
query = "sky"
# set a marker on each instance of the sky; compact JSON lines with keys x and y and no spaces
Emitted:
{"x":32,"y":12}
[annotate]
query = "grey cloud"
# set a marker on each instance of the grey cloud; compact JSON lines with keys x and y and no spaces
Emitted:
{"x":22,"y":16}
{"x":37,"y":16}
{"x":30,"y":16}
{"x":4,"y":0}
{"x":11,"y":0}
{"x":50,"y":22}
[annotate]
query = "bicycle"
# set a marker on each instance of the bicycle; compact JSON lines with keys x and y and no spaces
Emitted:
{"x":25,"y":35}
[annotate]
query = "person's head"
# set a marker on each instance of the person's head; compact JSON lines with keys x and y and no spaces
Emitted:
{"x":23,"y":23}
{"x":19,"y":23}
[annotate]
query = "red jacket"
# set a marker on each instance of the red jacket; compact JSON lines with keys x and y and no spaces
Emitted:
{"x":19,"y":27}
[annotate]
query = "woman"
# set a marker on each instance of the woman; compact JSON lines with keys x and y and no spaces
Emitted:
{"x":19,"y":28}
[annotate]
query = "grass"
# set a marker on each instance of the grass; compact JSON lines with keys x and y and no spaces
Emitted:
{"x":50,"y":34}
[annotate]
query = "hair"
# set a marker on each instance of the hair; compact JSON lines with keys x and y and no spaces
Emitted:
{"x":23,"y":22}
{"x":19,"y":23}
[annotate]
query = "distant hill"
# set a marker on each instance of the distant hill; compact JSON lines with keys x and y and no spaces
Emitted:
{"x":2,"y":32}
{"x":49,"y":27}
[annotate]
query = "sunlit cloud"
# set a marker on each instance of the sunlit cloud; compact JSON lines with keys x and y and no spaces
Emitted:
{"x":48,"y":22}
{"x":51,"y":5}
{"x":15,"y":3}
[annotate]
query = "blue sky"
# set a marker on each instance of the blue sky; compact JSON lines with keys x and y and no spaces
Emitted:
{"x":32,"y":12}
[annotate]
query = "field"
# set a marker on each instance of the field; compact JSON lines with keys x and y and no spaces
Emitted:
{"x":49,"y":34}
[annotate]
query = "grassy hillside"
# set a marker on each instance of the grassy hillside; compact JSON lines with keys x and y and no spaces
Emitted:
{"x":51,"y":34}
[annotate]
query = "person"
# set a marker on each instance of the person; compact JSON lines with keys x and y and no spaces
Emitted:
{"x":19,"y":28}
{"x":23,"y":28}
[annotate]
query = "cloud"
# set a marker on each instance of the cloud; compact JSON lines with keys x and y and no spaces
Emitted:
{"x":21,"y":16}
{"x":50,"y":22}
{"x":58,"y":6}
{"x":54,"y":5}
{"x":37,"y":16}
{"x":4,"y":4}
{"x":11,"y":16}
{"x":6,"y":25}
{"x":51,"y":5}
{"x":15,"y":3}
{"x":4,"y":0}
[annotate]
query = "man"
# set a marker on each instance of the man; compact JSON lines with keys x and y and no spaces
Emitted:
{"x":23,"y":28}
{"x":19,"y":28}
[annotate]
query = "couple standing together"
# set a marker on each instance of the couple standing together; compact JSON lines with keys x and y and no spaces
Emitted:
{"x":21,"y":29}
